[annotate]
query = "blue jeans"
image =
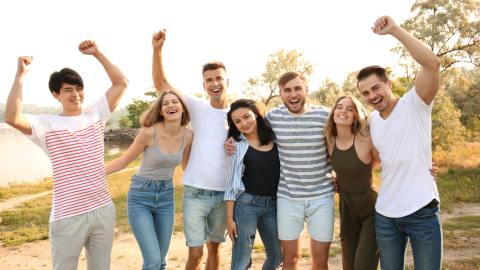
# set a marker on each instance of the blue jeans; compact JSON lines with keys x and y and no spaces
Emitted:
{"x":423,"y":228}
{"x":204,"y":216}
{"x":151,"y":214}
{"x":252,"y":213}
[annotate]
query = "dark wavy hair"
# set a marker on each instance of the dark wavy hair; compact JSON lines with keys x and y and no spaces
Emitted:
{"x":265,"y":133}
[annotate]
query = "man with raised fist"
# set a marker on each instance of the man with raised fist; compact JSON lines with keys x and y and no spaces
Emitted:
{"x":82,"y":210}
{"x":407,"y":206}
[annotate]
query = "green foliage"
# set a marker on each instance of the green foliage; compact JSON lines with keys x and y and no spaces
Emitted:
{"x":461,"y":185}
{"x":327,"y":93}
{"x":451,"y":29}
{"x":124,"y":122}
{"x":16,"y":189}
{"x":265,"y":86}
{"x":136,"y":109}
{"x":446,"y":126}
{"x":117,"y":115}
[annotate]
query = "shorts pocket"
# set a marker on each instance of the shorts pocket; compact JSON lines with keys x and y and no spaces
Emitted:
{"x":57,"y":226}
{"x":425,"y":213}
{"x":187,"y":194}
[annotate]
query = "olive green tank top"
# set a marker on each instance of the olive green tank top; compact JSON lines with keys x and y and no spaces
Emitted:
{"x":352,"y":174}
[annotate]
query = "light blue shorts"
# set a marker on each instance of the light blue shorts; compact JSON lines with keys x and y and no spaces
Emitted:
{"x":204,"y":216}
{"x":319,"y":213}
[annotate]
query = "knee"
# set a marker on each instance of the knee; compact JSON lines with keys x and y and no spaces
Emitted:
{"x":320,"y":259}
{"x":152,"y":262}
{"x":290,"y":258}
{"x":213,"y":247}
{"x":195,"y":255}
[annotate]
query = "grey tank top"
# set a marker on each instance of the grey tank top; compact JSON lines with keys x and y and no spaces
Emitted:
{"x":157,"y":165}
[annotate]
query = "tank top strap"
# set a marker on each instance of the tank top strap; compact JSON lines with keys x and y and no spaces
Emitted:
{"x":154,"y":134}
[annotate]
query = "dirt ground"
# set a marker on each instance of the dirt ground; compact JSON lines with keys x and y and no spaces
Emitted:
{"x":126,"y":254}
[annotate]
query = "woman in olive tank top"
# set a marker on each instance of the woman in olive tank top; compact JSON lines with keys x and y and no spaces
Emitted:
{"x":353,"y":158}
{"x":165,"y":143}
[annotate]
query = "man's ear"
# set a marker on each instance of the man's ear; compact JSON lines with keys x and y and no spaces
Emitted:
{"x":390,"y":84}
{"x":306,"y":88}
{"x":204,"y":86}
{"x":228,"y":83}
{"x":56,"y":96}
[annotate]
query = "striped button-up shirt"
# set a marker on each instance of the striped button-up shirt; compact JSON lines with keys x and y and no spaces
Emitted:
{"x":302,"y":151}
{"x":236,"y":168}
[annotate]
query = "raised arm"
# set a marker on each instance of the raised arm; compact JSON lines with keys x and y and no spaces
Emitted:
{"x":428,"y":78}
{"x":119,"y":81}
{"x":158,"y":72}
{"x":13,"y":109}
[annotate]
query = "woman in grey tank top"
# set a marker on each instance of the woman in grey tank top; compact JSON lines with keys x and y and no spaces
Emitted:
{"x":165,"y":143}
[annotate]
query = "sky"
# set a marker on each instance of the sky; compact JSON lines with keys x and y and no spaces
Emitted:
{"x":335,"y":35}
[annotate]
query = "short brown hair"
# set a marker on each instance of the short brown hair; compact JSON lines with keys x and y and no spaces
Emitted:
{"x":153,"y":115}
{"x":288,"y":76}
{"x":377,"y":70}
{"x":213,"y":66}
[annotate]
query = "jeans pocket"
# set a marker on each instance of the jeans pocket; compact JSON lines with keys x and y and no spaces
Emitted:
{"x":187,"y":194}
{"x":135,"y":186}
{"x":245,"y":200}
{"x":426,"y":213}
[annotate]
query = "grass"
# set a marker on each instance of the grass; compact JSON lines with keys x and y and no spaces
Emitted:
{"x":258,"y":248}
{"x":334,"y":251}
{"x":16,"y":188}
{"x":29,"y":222}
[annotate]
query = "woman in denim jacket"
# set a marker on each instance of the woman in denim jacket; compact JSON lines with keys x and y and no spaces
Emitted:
{"x":250,"y":195}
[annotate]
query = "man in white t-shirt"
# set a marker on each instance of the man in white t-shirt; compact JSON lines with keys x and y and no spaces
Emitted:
{"x":82,"y":210}
{"x":407,"y":207}
{"x":204,"y":212}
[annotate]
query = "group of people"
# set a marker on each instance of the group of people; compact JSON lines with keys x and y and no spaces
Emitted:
{"x":244,"y":171}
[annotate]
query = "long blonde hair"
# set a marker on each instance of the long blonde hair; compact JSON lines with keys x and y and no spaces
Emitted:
{"x":359,"y":125}
{"x":152,"y":115}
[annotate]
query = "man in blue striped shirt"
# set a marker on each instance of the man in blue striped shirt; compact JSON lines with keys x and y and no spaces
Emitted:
{"x":305,"y":191}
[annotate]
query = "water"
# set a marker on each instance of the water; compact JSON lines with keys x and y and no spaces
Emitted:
{"x":22,"y":160}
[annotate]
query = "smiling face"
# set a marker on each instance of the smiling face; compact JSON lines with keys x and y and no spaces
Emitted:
{"x":215,"y":83}
{"x":294,"y":94}
{"x":71,"y":98}
{"x":344,"y":112}
{"x":171,"y":108}
{"x":245,"y":121}
{"x":376,"y":92}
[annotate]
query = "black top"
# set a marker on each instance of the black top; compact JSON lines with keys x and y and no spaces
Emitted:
{"x":262,"y":172}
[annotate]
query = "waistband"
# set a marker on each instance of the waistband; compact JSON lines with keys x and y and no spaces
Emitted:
{"x":257,"y":198}
{"x":202,"y":191}
{"x":148,"y":182}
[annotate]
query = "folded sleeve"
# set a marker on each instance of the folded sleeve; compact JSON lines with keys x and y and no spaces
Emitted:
{"x":38,"y":124}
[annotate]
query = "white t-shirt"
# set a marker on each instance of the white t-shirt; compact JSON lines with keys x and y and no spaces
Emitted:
{"x":208,"y":164}
{"x":404,"y":141}
{"x":74,"y":144}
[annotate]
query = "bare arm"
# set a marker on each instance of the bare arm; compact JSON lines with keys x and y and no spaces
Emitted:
{"x":143,"y":139}
{"x":188,"y":147}
{"x":158,"y":72}
{"x":119,"y":81}
{"x":428,"y":78}
{"x":231,"y":226}
{"x":13,"y":109}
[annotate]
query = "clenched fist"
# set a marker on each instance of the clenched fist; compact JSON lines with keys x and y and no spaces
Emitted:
{"x":384,"y":25}
{"x":88,"y":47}
{"x":158,"y":39}
{"x":24,"y":64}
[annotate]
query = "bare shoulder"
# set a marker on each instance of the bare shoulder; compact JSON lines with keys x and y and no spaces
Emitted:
{"x":146,"y":134}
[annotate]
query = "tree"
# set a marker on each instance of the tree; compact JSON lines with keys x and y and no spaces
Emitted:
{"x":265,"y":86}
{"x":446,"y":126}
{"x":138,"y":107}
{"x":327,"y":93}
{"x":449,"y":28}
{"x":124,"y":122}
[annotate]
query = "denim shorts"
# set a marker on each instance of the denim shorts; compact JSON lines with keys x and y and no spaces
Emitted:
{"x":204,"y":216}
{"x":319,"y":213}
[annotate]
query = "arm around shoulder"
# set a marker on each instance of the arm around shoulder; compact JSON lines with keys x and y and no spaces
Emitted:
{"x":188,"y":148}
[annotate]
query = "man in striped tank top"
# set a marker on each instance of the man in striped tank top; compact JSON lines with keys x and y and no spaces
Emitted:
{"x":305,"y":192}
{"x":82,"y":211}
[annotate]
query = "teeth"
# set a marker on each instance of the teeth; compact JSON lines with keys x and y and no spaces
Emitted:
{"x":376,"y":101}
{"x":341,"y":116}
{"x":216,"y":91}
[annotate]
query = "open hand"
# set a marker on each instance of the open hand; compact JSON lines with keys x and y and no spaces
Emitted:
{"x":159,"y":38}
{"x":433,"y":170}
{"x":230,"y":146}
{"x":88,"y":47}
{"x":384,"y":25}
{"x":24,"y":64}
{"x":232,"y":230}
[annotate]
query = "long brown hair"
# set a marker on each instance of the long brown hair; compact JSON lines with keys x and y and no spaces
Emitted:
{"x":153,"y":115}
{"x":359,"y":126}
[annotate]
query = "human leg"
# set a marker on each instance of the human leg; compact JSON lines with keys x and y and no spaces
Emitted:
{"x":98,"y":246}
{"x":320,"y":222}
{"x":268,"y":230}
{"x":290,"y":223}
{"x":351,"y":229}
{"x":391,"y":241}
{"x":67,"y":238}
{"x":140,"y":217}
{"x":216,"y":228}
{"x":424,"y":228}
{"x":164,"y":218}
{"x":367,"y":255}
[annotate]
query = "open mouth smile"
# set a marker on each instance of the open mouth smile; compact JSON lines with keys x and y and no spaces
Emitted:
{"x":171,"y":111}
{"x":377,"y":102}
{"x":294,"y":101}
